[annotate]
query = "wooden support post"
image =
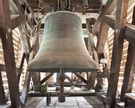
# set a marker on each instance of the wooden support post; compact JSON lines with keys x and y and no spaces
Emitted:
{"x":48,"y":99}
{"x":46,"y":78}
{"x":129,"y":72}
{"x":62,"y":78}
{"x":121,"y":14}
{"x":102,"y":38}
{"x":27,"y":81}
{"x":8,"y":50}
{"x":92,"y":51}
{"x":36,"y":78}
{"x":129,"y":68}
{"x":2,"y":94}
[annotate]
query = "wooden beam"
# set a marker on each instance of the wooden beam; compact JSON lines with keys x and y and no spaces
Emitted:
{"x":2,"y":93}
{"x":107,"y":10}
{"x":92,"y":76}
{"x":67,"y":94}
{"x":26,"y":85}
{"x":61,"y":78}
{"x":8,"y":50}
{"x":129,"y":33}
{"x":80,"y":77}
{"x":129,"y":68}
{"x":92,"y":51}
{"x":3,"y":68}
{"x":28,"y":75}
{"x":46,"y":78}
{"x":102,"y":38}
{"x":121,"y":14}
{"x":15,"y":21}
{"x":21,"y":67}
{"x":110,"y":21}
{"x":129,"y":72}
{"x":25,"y":89}
{"x":129,"y":28}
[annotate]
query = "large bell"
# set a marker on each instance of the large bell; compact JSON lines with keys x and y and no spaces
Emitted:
{"x":62,"y":46}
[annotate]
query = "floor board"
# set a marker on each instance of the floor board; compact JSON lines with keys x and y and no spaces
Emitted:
{"x":71,"y":102}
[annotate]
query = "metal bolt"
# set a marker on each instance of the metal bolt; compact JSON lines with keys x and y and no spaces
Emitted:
{"x":9,"y":30}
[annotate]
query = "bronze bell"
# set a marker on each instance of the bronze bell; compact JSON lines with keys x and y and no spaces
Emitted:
{"x":62,"y":46}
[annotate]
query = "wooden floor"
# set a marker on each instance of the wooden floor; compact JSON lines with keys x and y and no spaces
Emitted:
{"x":71,"y":102}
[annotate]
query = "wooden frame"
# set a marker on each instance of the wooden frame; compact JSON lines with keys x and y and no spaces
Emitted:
{"x":120,"y":22}
{"x":7,"y":43}
{"x":129,"y":68}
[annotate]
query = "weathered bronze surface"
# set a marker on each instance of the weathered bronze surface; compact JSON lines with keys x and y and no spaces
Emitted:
{"x":62,"y":46}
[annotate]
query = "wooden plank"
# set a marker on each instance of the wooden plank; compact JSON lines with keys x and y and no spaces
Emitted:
{"x":46,"y":78}
{"x":121,"y":14}
{"x":129,"y":69}
{"x":129,"y":33}
{"x":2,"y":94}
{"x":7,"y":43}
{"x":110,"y":21}
{"x":107,"y":10}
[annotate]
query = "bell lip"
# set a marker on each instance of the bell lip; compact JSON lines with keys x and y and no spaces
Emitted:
{"x":57,"y":70}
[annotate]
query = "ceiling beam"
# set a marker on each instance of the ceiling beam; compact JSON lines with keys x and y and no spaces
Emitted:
{"x":107,"y":10}
{"x":110,"y":20}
